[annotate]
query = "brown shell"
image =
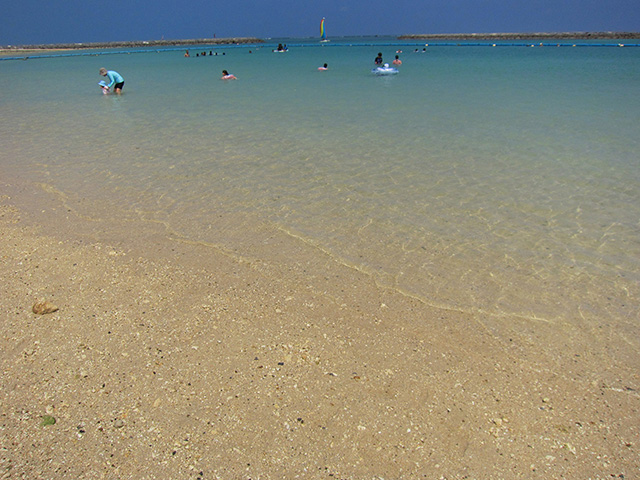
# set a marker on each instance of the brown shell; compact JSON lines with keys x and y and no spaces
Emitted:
{"x":44,"y":307}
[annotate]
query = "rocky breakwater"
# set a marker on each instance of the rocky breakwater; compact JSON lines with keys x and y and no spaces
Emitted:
{"x":523,"y":36}
{"x":136,"y":44}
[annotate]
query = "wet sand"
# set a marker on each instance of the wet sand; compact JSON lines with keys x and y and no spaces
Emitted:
{"x":169,"y":359}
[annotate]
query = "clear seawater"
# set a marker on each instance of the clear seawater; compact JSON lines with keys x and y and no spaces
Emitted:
{"x":499,"y":180}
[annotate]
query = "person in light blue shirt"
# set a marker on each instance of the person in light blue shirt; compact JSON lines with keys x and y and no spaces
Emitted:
{"x":115,"y":80}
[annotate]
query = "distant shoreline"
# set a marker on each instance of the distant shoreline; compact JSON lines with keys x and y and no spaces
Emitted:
{"x":252,"y":40}
{"x":133,"y":44}
{"x":522,"y":36}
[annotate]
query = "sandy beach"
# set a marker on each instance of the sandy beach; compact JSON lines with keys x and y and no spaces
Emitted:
{"x":168,"y":359}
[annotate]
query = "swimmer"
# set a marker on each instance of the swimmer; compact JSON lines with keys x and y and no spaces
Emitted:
{"x":378,"y":59}
{"x":397,"y":61}
{"x":324,"y":67}
{"x":228,"y":76}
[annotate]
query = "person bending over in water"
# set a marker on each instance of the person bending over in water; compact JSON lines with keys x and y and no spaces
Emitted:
{"x":228,"y":76}
{"x":115,"y":80}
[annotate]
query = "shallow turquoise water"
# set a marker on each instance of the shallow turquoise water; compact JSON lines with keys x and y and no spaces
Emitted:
{"x":502,"y":180}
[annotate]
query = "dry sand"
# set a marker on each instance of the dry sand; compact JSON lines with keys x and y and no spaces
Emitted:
{"x":155,"y":367}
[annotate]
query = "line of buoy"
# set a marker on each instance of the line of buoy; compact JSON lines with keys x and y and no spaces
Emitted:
{"x":466,"y":44}
{"x":324,"y":45}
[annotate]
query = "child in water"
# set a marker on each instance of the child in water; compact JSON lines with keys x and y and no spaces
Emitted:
{"x":228,"y":76}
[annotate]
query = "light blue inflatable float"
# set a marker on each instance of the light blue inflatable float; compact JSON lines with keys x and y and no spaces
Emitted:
{"x":384,"y":70}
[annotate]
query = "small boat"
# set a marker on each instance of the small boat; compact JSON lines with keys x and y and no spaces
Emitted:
{"x":323,"y":34}
{"x":384,"y":70}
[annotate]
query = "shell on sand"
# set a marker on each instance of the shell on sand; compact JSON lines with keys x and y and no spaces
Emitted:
{"x":44,"y":307}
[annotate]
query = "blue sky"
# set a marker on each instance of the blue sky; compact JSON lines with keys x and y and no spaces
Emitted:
{"x":70,"y":21}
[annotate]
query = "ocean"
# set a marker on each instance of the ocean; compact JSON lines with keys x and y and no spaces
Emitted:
{"x":496,"y":180}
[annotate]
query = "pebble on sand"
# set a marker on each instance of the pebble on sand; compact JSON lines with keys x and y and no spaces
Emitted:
{"x":41,"y":308}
